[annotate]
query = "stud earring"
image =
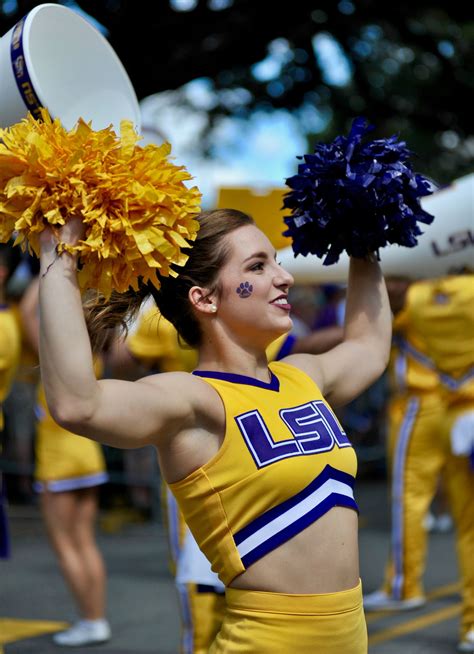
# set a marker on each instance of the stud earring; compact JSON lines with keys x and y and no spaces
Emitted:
{"x":213,"y":308}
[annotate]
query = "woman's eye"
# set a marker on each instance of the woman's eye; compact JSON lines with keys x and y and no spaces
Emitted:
{"x":257,"y":266}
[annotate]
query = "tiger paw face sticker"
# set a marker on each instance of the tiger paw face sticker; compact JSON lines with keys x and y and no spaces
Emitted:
{"x":244,"y":290}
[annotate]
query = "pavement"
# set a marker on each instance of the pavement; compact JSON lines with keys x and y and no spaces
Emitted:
{"x":142,"y":605}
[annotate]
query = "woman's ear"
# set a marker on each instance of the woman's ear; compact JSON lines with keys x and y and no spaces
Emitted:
{"x":201,"y":300}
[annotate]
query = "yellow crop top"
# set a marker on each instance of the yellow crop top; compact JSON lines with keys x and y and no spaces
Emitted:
{"x":284,"y":462}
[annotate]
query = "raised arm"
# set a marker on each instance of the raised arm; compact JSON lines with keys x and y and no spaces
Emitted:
{"x":362,"y":356}
{"x":319,"y":340}
{"x":118,"y":413}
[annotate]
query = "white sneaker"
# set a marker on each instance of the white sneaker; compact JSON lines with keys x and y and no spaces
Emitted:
{"x":443,"y":523}
{"x":84,"y":632}
{"x":380,"y":601}
{"x":429,"y":522}
{"x":467,"y":643}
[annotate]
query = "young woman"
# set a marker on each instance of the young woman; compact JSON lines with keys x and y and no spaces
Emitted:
{"x":261,"y":469}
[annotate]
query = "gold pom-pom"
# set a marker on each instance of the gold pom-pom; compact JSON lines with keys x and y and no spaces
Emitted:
{"x":136,"y":208}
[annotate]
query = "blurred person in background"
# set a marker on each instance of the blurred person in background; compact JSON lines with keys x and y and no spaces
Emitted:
{"x":19,"y":406}
{"x":68,"y":472}
{"x":431,"y":431}
{"x":306,"y":301}
{"x":331,"y":310}
{"x":10,"y":344}
{"x":416,"y":458}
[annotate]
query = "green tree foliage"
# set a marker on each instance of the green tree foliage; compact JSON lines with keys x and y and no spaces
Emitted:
{"x":405,"y":65}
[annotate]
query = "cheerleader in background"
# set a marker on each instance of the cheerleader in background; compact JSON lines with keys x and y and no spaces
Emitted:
{"x":10,"y":343}
{"x":68,"y":472}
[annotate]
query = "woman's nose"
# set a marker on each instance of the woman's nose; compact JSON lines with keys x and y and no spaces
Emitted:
{"x":284,"y":278}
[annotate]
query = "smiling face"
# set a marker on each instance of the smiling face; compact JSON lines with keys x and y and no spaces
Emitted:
{"x":253,"y":288}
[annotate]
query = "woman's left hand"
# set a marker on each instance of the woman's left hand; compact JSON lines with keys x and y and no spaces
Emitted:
{"x":69,"y":234}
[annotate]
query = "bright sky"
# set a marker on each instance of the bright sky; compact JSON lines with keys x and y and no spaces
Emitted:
{"x":261,"y":152}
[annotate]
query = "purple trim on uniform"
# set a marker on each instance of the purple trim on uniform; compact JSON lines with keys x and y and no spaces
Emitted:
{"x":39,"y":412}
{"x":173,"y":525}
{"x":272,"y":385}
{"x":455,"y":384}
{"x":187,"y":627}
{"x":328,"y":473}
{"x":63,"y":485}
{"x":408,"y":348}
{"x":4,"y":307}
{"x":286,"y":347}
{"x":296,"y":527}
{"x":447,"y":380}
{"x":401,"y":371}
{"x":398,"y":477}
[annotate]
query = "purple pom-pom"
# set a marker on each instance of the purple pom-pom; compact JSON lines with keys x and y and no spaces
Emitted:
{"x":355,"y":196}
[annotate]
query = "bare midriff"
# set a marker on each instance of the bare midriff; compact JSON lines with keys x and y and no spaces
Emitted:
{"x":323,"y":558}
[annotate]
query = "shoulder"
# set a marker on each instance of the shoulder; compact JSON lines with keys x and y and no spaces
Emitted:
{"x":196,"y":406}
{"x":307,"y":364}
{"x":185,"y":388}
{"x":186,"y":381}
